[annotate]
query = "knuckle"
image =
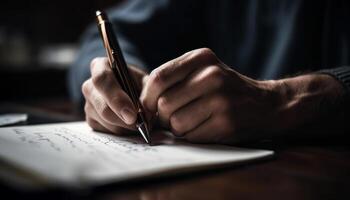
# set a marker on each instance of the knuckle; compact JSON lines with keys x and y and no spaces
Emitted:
{"x":164,"y":108}
{"x":215,"y":76}
{"x":157,"y":76}
{"x":206,"y":54}
{"x":94,"y":61}
{"x":157,"y":82}
{"x":215,"y":71}
{"x":101,"y":78}
{"x":105,"y":113}
{"x":205,"y":51}
{"x":86,"y":88}
{"x":163,"y":103}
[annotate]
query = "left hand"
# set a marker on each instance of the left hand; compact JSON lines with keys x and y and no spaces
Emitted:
{"x":200,"y":98}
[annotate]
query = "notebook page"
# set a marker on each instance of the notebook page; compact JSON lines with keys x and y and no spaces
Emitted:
{"x":73,"y":154}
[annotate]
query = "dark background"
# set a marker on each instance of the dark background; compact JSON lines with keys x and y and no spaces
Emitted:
{"x":27,"y":29}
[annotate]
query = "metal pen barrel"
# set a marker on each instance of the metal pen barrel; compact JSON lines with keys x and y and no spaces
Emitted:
{"x":120,"y":70}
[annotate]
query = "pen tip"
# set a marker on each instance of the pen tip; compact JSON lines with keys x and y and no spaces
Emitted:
{"x":145,"y":133}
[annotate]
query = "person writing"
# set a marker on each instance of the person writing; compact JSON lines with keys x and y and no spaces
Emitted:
{"x":242,"y":86}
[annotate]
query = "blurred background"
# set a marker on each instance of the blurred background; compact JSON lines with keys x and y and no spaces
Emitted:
{"x":38,"y":42}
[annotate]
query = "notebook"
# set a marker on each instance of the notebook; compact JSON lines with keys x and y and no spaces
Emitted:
{"x":73,"y":155}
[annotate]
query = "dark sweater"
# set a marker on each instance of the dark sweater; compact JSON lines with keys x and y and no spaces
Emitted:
{"x":267,"y":39}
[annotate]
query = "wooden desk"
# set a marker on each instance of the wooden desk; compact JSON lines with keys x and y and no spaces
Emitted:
{"x":303,"y":172}
{"x":318,"y":170}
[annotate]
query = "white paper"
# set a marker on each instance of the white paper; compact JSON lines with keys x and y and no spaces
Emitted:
{"x":72,"y":154}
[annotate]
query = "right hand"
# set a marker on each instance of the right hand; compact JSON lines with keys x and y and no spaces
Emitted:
{"x":107,"y":107}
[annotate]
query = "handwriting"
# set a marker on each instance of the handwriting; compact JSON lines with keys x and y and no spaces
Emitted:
{"x":73,"y":153}
{"x":102,"y":147}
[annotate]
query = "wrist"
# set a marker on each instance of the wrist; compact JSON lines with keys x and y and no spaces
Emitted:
{"x":306,"y":99}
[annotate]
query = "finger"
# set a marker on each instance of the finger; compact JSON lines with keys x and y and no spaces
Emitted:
{"x":94,"y":120}
{"x":96,"y":125}
{"x":207,"y":132}
{"x":172,"y":72}
{"x":95,"y":101}
{"x":190,"y":116}
{"x":110,"y":128}
{"x":216,"y":129}
{"x":199,"y":83}
{"x":104,"y":113}
{"x":104,"y":81}
{"x":93,"y":97}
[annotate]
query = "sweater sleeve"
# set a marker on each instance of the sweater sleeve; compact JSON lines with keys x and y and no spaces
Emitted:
{"x":340,"y":111}
{"x":342,"y":74}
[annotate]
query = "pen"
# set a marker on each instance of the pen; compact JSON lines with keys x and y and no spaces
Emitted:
{"x":120,"y":71}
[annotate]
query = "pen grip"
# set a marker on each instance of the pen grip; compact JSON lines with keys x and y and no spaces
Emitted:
{"x":118,"y":64}
{"x":125,"y":80}
{"x":121,"y":71}
{"x":119,"y":67}
{"x":128,"y":85}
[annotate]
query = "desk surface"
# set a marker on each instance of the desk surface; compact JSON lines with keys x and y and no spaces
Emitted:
{"x":317,"y":170}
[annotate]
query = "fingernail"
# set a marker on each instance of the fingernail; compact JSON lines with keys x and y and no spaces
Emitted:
{"x":128,"y":115}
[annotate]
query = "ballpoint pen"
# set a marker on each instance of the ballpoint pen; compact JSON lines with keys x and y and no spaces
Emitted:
{"x":121,"y":72}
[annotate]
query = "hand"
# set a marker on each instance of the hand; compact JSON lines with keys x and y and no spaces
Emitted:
{"x":107,"y":107}
{"x":201,"y":99}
